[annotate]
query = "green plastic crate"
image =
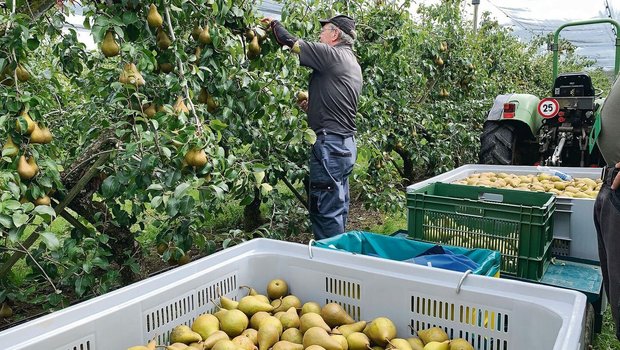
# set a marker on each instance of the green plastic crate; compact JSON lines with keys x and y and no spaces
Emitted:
{"x":518,"y":224}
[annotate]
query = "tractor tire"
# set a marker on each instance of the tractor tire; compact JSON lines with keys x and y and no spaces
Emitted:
{"x":498,"y":144}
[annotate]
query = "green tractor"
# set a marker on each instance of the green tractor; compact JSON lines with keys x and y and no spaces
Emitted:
{"x":522,"y":129}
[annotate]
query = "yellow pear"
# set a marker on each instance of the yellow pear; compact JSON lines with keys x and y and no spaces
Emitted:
{"x":205,"y":36}
{"x":433,"y":334}
{"x":154,"y":18}
{"x":233,"y":322}
{"x":319,"y":336}
{"x":334,"y":315}
{"x":289,"y":318}
{"x":198,"y":158}
{"x":177,"y":346}
{"x":139,"y":347}
{"x":25,"y":169}
{"x":257,"y":318}
{"x":205,"y":325}
{"x":435,"y":345}
{"x":302,"y":96}
{"x":287,"y":345}
{"x":179,"y":106}
{"x":163,"y":40}
{"x":40,"y":135}
{"x":184,"y":334}
{"x":311,"y":307}
{"x":150,"y":111}
{"x":196,"y":31}
{"x":268,"y":335}
{"x":416,"y":343}
{"x":358,"y":341}
{"x":292,"y":335}
{"x":250,"y":304}
{"x":460,"y":344}
{"x":9,"y":149}
{"x":225,"y":345}
{"x":347,"y":329}
{"x":277,"y":288}
{"x":29,"y":122}
{"x":381,"y":330}
{"x":131,"y":75}
{"x":166,"y":67}
{"x":225,"y":302}
{"x":243,"y":342}
{"x":399,"y":344}
{"x":286,"y":303}
{"x":251,"y":334}
{"x":45,"y":200}
{"x":310,"y":320}
{"x":109,"y":46}
{"x":5,"y":311}
{"x":22,"y":73}
{"x":254,"y":48}
{"x":214,"y":338}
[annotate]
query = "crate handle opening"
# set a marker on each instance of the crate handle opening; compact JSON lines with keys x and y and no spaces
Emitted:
{"x":491,"y":197}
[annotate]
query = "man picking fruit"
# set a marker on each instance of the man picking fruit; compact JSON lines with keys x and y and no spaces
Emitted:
{"x":333,"y":94}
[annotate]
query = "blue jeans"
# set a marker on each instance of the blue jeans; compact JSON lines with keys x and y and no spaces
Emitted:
{"x":331,"y":162}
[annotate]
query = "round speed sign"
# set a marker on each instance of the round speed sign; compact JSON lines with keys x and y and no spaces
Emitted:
{"x":548,"y":107}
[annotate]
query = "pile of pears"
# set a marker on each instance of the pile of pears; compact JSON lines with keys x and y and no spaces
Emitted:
{"x":575,"y":188}
{"x":279,"y":321}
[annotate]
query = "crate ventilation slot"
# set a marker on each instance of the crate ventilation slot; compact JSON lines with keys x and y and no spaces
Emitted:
{"x":478,"y":341}
{"x":212,"y":291}
{"x":339,"y":286}
{"x":462,"y":314}
{"x":87,"y":343}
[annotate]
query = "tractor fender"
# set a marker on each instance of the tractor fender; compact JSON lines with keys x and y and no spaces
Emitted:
{"x":526,"y":111}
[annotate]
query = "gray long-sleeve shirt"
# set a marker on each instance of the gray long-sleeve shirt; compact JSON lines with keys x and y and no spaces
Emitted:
{"x":335,"y":83}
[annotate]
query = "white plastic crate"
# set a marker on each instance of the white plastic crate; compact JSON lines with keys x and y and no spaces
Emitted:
{"x":491,"y":313}
{"x":573,"y":220}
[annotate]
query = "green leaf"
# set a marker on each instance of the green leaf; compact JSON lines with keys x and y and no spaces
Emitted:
{"x":155,"y":187}
{"x":46,"y":211}
{"x":20,"y":219}
{"x":33,"y":44}
{"x":310,"y":136}
{"x":110,"y":187}
{"x":265,"y":188}
{"x":181,"y":189}
{"x":5,"y":221}
{"x":172,"y":207}
{"x":218,"y":125}
{"x":12,"y":204}
{"x":156,"y":202}
{"x":247,"y":200}
{"x":50,"y":240}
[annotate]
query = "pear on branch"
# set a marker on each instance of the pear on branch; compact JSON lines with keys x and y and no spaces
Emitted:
{"x":163,"y":40}
{"x":40,"y":135}
{"x":180,"y":106}
{"x":22,"y":73}
{"x":196,"y":31}
{"x":109,"y":46}
{"x":27,"y":169}
{"x":205,"y":36}
{"x":29,"y":122}
{"x":154,"y":19}
{"x":9,"y":149}
{"x":254,"y":48}
{"x":131,"y":75}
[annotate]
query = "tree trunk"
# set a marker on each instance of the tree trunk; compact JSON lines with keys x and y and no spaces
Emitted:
{"x":408,"y":175}
{"x":122,"y":240}
{"x":252,"y":217}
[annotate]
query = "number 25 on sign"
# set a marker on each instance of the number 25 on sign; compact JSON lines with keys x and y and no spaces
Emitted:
{"x":548,"y":107}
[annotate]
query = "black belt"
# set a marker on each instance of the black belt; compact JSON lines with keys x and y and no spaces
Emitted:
{"x":324,"y":132}
{"x":609,"y":174}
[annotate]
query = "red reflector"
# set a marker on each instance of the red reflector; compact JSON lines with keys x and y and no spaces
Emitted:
{"x":509,"y":110}
{"x":561,"y":119}
{"x":561,"y":113}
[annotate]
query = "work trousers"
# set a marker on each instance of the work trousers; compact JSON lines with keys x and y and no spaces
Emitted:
{"x":331,"y":162}
{"x":607,"y":223}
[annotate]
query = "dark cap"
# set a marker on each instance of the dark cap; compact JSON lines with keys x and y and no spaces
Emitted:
{"x":344,"y":23}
